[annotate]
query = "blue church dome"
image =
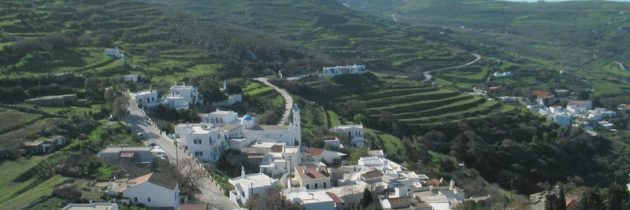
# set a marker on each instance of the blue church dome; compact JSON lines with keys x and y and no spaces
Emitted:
{"x":248,"y":117}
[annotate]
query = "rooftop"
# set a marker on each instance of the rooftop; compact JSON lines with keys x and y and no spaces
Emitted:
{"x":349,"y":126}
{"x":309,"y":197}
{"x":155,"y":178}
{"x":91,"y":206}
{"x":126,"y":149}
{"x":312,"y":172}
{"x":541,"y":93}
{"x":253,"y":180}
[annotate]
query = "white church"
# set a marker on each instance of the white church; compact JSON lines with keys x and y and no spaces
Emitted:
{"x":220,"y":130}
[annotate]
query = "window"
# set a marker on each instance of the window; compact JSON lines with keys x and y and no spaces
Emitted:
{"x":197,"y":141}
{"x":307,"y":187}
{"x":135,"y":199}
{"x":148,"y":199}
{"x":315,"y":185}
{"x":324,"y":185}
{"x":198,"y":153}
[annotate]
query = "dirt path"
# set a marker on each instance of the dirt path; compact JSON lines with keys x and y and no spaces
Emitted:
{"x":428,"y":76}
{"x":288,"y":100}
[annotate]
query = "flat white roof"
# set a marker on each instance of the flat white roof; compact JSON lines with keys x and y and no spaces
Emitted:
{"x":306,"y":197}
{"x":91,"y":206}
{"x":349,"y":126}
{"x":253,"y":180}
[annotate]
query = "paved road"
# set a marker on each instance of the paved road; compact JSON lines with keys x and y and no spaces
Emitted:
{"x":288,"y":100}
{"x":210,"y":193}
{"x":428,"y":76}
{"x":620,"y":64}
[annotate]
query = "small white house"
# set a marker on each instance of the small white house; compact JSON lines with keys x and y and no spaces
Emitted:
{"x":247,"y":186}
{"x":146,"y":99}
{"x":113,"y":52}
{"x":91,"y":206}
{"x":187,"y":93}
{"x":353,"y":133}
{"x":341,"y":70}
{"x":280,"y":160}
{"x":312,"y":177}
{"x":311,"y":200}
{"x":502,"y":74}
{"x":220,"y":117}
{"x":562,"y":119}
{"x":205,"y":142}
{"x":152,"y":190}
{"x":316,"y":155}
{"x":130,"y":78}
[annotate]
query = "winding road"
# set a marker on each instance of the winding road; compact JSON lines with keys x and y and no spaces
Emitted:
{"x":288,"y":100}
{"x":210,"y":193}
{"x":428,"y":76}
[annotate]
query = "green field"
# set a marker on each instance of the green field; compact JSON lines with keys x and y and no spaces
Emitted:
{"x":408,"y":101}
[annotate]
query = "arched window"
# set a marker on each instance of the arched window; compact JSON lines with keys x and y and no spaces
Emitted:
{"x":324,"y":185}
{"x":307,"y":186}
{"x":315,"y":185}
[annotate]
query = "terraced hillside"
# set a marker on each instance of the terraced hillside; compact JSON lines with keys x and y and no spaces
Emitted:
{"x":330,"y":28}
{"x":38,"y":38}
{"x":407,"y":101}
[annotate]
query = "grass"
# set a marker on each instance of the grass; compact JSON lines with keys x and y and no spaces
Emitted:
{"x":391,"y":145}
{"x":41,"y":190}
{"x":27,"y":132}
{"x":333,"y":119}
{"x":13,"y":119}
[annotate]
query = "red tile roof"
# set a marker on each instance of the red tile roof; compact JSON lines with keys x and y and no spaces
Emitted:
{"x":315,"y":151}
{"x":541,"y":93}
{"x":312,"y":172}
{"x":277,"y":148}
{"x":334,"y":197}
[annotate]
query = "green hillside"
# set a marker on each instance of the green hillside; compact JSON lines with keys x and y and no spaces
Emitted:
{"x":408,"y":101}
{"x":538,"y":39}
{"x":327,"y":27}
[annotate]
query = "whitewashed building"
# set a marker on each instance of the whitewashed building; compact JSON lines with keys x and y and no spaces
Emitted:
{"x":146,"y":98}
{"x":219,"y":117}
{"x":353,"y":133}
{"x":280,"y":160}
{"x":312,"y":177}
{"x":341,"y":70}
{"x":316,"y":155}
{"x":152,"y":190}
{"x":130,"y":78}
{"x":247,"y":186}
{"x":91,"y":206}
{"x":311,"y":200}
{"x":289,"y":134}
{"x":205,"y":141}
{"x":182,"y":97}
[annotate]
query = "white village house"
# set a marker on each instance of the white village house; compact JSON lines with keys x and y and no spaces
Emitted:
{"x":312,"y":177}
{"x":353,"y":133}
{"x":288,"y":134}
{"x":249,"y":185}
{"x":146,"y":99}
{"x":152,"y":190}
{"x":280,"y":160}
{"x":341,"y":70}
{"x":221,"y":130}
{"x":182,"y":97}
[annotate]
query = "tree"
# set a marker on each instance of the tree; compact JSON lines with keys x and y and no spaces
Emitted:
{"x":368,"y":199}
{"x":188,"y":175}
{"x":26,"y":46}
{"x":68,"y":191}
{"x":617,"y":197}
{"x":84,"y":40}
{"x":58,"y":40}
{"x":152,"y":54}
{"x":555,"y":200}
{"x":591,"y":201}
{"x":271,"y":200}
